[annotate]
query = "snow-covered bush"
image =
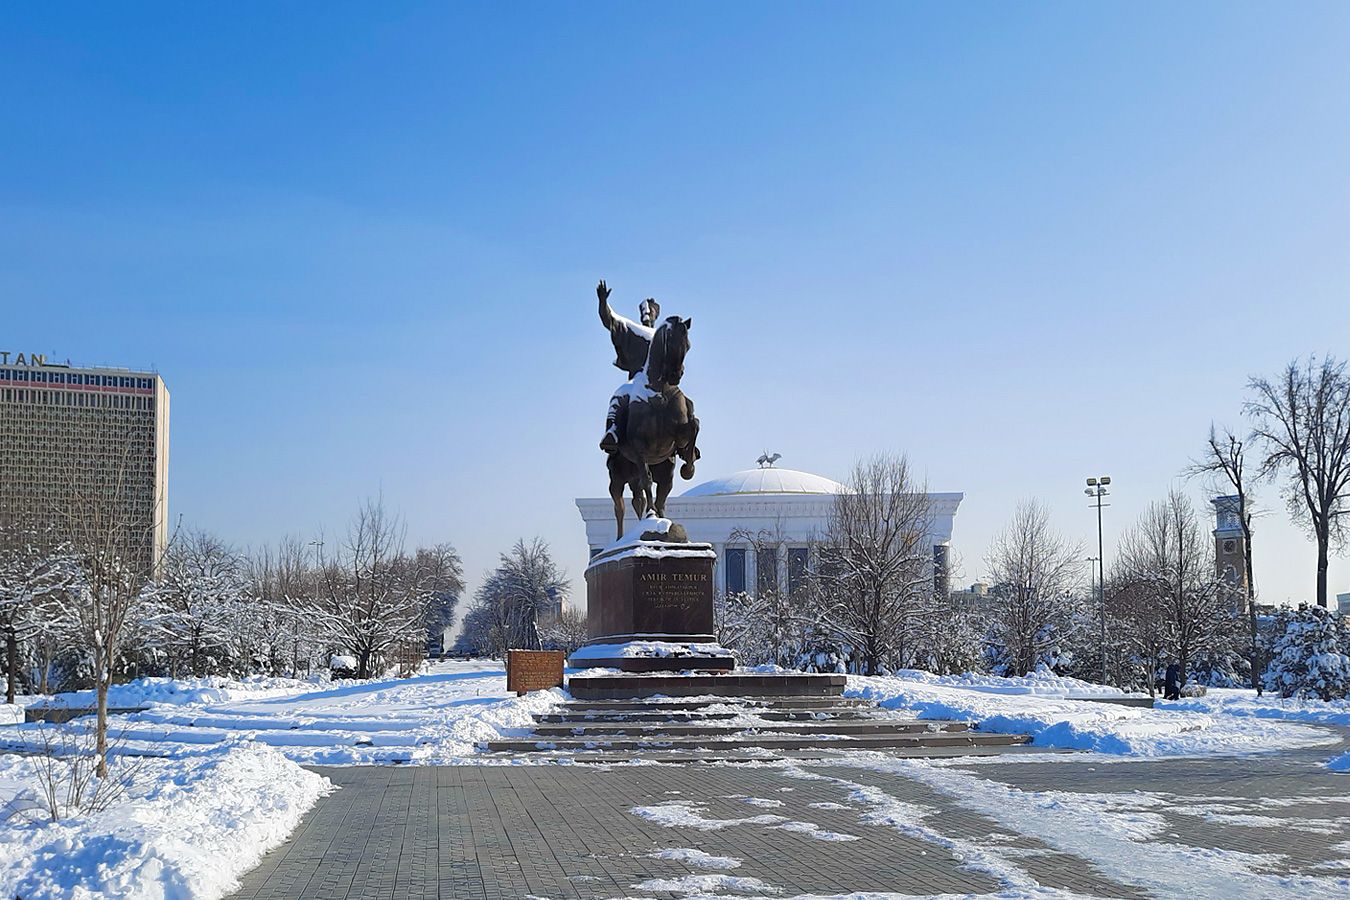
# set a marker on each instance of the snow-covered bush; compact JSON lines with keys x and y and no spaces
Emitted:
{"x":1309,"y":655}
{"x":342,"y":666}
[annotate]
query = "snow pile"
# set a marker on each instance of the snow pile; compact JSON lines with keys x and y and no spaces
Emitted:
{"x":707,"y":885}
{"x":1043,"y":682}
{"x":686,"y":814}
{"x":698,"y":858}
{"x":1058,"y":722}
{"x":183,"y":691}
{"x":12,"y":713}
{"x":191,"y":828}
{"x":437,"y":717}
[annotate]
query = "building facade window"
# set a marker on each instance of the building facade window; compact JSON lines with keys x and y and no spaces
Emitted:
{"x":799,"y":560}
{"x":766,"y":569}
{"x":734,"y":560}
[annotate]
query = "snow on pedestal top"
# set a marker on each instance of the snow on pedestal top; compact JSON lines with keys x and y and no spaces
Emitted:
{"x":632,"y":544}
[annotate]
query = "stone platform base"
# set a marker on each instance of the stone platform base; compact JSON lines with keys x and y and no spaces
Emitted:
{"x":640,"y":653}
{"x":660,"y":664}
{"x":750,"y":684}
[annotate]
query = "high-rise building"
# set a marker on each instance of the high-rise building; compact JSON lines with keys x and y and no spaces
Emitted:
{"x":85,"y":444}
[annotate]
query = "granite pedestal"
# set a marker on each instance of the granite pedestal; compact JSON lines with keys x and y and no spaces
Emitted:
{"x":650,"y":605}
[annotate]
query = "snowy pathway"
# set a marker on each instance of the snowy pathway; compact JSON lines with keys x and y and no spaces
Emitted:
{"x":1266,"y":825}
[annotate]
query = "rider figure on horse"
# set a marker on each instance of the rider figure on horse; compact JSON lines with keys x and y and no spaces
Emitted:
{"x":631,"y":341}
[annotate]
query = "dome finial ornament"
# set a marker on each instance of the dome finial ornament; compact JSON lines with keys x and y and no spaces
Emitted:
{"x":766,"y":461}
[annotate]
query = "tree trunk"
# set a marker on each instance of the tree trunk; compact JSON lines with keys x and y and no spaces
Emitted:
{"x":1323,"y":539}
{"x":1256,"y":644}
{"x":11,"y":662}
{"x":103,"y":674}
{"x":1251,"y":611}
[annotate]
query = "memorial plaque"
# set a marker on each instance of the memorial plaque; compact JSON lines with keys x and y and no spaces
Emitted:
{"x":672,"y":596}
{"x":662,"y":594}
{"x":533,"y":670}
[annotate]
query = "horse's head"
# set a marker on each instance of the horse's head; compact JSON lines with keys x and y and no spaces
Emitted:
{"x":665,"y":357}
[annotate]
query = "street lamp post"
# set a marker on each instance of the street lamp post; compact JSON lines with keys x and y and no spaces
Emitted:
{"x":318,"y":564}
{"x":1097,"y":490}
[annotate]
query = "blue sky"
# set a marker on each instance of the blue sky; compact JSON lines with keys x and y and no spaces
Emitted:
{"x":1023,"y":243}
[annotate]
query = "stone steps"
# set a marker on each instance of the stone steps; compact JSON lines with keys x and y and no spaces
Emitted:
{"x":744,"y":728}
{"x":753,"y":755}
{"x":695,"y":729}
{"x":774,"y":715}
{"x":627,"y":686}
{"x":759,"y":741}
{"x":661,"y":704}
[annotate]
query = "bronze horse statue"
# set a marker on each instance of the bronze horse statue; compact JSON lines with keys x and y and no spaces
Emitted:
{"x":658,"y":425}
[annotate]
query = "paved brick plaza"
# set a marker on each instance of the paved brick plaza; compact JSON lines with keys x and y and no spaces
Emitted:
{"x":568,"y":831}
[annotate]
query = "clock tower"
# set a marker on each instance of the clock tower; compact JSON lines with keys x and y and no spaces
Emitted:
{"x":1230,"y":545}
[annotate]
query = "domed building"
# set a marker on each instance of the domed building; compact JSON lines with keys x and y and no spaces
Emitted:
{"x":765,"y":523}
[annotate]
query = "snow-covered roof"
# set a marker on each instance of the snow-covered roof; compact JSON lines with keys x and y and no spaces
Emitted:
{"x":766,"y":480}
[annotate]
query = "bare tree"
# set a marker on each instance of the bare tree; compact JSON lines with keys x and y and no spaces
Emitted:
{"x":877,"y":563}
{"x":771,"y":624}
{"x":509,"y":605}
{"x":1168,"y":557}
{"x":108,"y":531}
{"x":566,"y":631}
{"x":1139,"y":628}
{"x":1035,"y":572}
{"x":286,"y":588}
{"x":1225,"y":458}
{"x":1302,"y":420}
{"x":374,"y":597}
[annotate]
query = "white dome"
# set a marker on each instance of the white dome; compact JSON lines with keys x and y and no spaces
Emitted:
{"x":767,"y":480}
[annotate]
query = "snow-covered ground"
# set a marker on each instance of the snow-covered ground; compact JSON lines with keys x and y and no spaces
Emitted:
{"x":1244,"y":703}
{"x":436,"y":717}
{"x":189,"y":827}
{"x":1040,"y":705}
{"x":220,"y":783}
{"x":225,"y":758}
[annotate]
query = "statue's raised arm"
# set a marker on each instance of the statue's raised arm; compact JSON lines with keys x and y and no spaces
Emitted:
{"x":606,"y":314}
{"x":630,"y":339}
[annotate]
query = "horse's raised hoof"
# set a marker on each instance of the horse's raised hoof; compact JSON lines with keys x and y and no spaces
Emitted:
{"x":687,"y":471}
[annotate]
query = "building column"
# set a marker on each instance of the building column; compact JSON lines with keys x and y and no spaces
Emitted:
{"x":720,"y":569}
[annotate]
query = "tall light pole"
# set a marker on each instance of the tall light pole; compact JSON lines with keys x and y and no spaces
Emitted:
{"x":318,"y":564}
{"x":1097,"y":490}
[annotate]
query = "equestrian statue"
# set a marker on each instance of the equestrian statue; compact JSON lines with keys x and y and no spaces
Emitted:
{"x":650,"y":421}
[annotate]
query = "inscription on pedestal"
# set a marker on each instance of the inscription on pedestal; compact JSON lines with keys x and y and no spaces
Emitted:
{"x":651,"y":595}
{"x":672,"y":596}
